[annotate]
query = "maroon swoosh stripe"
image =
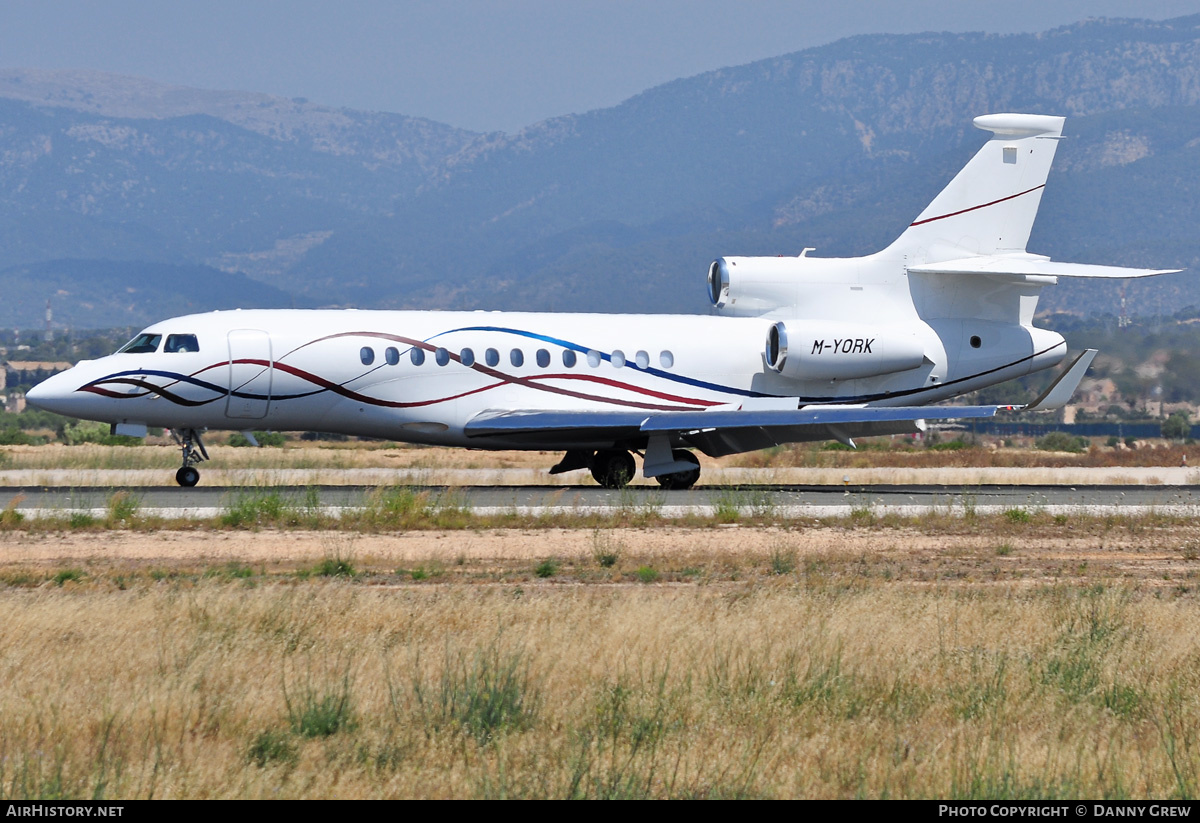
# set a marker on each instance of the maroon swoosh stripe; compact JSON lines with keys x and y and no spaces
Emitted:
{"x":975,"y":208}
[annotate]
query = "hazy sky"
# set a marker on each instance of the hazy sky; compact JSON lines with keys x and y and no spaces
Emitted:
{"x":476,"y":64}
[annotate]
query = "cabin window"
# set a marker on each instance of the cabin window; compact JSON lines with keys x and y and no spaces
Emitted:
{"x":181,"y":342}
{"x":594,"y":358}
{"x":666,"y":359}
{"x":392,"y":355}
{"x":467,"y":357}
{"x":142,"y":344}
{"x":543,"y":358}
{"x":642,"y":359}
{"x":441,"y":356}
{"x":976,"y":342}
{"x":516,"y":357}
{"x":618,"y":358}
{"x":417,"y":356}
{"x":568,"y":358}
{"x":367,"y":355}
{"x":491,"y":357}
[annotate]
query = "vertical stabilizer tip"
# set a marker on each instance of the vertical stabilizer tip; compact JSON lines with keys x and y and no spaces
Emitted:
{"x":1020,"y":125}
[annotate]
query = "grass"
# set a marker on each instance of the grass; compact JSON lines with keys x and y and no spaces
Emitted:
{"x":253,"y":509}
{"x":783,"y":560}
{"x":206,"y":688}
{"x":321,"y":711}
{"x":272,"y":747}
{"x":647,"y":574}
{"x":485,"y":695}
{"x":1018,"y":515}
{"x":727,"y":508}
{"x":333,"y":566}
{"x":122,"y":509}
{"x":363,"y":455}
{"x":71,"y":575}
{"x":606,"y":549}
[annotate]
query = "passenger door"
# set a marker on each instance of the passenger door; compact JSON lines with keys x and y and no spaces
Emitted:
{"x":250,"y":370}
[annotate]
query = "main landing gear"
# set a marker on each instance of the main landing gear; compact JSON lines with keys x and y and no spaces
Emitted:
{"x":614,"y":468}
{"x":681,"y":479}
{"x":193,"y":452}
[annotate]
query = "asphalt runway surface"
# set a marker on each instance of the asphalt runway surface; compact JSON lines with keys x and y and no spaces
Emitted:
{"x":780,"y":500}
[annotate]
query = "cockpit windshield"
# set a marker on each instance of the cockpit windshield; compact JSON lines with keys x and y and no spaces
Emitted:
{"x":144,"y":343}
{"x":181,"y":342}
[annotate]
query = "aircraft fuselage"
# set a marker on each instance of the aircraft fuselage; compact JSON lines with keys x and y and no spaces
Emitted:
{"x":420,"y":376}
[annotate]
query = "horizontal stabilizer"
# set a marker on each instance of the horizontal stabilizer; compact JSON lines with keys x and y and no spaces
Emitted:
{"x":1022,"y":265}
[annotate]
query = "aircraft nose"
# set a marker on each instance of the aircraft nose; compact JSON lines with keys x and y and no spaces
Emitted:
{"x":54,"y":394}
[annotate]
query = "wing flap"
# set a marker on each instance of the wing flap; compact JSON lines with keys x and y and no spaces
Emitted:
{"x":809,"y":416}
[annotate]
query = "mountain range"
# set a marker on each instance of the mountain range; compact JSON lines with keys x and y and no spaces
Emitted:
{"x":123,"y":200}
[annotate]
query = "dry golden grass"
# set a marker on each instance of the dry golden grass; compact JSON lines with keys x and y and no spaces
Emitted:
{"x":366,"y":455}
{"x":295,"y":455}
{"x":882,"y":454}
{"x":830,"y":662}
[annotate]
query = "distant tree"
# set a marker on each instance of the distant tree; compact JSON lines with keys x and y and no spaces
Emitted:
{"x":1178,"y":426}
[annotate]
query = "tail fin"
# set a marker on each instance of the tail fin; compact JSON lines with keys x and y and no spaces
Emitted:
{"x":989,"y":206}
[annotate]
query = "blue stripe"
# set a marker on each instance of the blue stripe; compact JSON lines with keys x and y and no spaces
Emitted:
{"x":567,"y":344}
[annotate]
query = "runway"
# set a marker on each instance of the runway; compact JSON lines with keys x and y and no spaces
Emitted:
{"x":775,"y":500}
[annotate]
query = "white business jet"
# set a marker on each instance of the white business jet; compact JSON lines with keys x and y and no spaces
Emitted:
{"x":797,"y":348}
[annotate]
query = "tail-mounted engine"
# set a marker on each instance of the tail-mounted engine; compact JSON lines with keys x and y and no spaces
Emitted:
{"x":753,"y":285}
{"x":814,"y":350}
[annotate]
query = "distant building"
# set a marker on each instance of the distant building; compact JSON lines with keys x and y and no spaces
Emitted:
{"x":30,"y":372}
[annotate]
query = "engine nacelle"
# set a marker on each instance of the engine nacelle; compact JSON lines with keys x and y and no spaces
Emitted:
{"x":750,"y":285}
{"x":815,"y":350}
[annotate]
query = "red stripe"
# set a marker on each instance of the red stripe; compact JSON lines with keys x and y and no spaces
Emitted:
{"x":974,"y":208}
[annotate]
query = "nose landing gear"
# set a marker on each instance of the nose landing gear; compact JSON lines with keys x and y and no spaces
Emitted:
{"x":193,"y":452}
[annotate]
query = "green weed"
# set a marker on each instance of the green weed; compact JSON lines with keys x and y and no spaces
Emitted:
{"x":647,"y":574}
{"x":322,"y":713}
{"x":1018,"y":515}
{"x":122,"y":508}
{"x":606,"y":550}
{"x":271,"y":746}
{"x":488,"y":694}
{"x":74,"y":575}
{"x":783,"y":560}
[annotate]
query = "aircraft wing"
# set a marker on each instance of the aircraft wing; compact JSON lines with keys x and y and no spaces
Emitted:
{"x":732,"y":431}
{"x":716,"y":433}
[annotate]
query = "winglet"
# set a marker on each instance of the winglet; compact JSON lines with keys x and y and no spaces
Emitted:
{"x":1060,"y":391}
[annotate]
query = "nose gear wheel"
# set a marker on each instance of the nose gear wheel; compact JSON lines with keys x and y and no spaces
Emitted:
{"x":194,"y":452}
